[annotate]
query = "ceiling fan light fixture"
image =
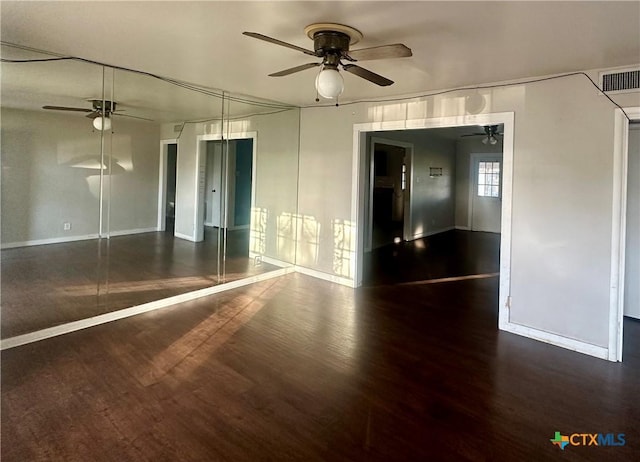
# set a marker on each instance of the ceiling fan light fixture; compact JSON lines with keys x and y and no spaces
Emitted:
{"x":329,"y":83}
{"x":102,"y":123}
{"x":490,"y":140}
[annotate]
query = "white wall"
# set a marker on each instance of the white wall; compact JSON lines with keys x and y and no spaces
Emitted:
{"x":51,"y":175}
{"x":562,"y":193}
{"x":464,"y":148}
{"x":632,"y":256}
{"x":134,"y":182}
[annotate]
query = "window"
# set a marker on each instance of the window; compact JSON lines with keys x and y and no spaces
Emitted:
{"x":489,"y":179}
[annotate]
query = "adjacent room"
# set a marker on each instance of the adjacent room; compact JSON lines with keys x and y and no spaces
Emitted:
{"x":320,"y":230}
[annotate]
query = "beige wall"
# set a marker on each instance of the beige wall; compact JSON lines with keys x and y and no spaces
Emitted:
{"x":51,"y":175}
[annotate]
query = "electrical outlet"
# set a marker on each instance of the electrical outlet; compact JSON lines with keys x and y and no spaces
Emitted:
{"x":66,"y":226}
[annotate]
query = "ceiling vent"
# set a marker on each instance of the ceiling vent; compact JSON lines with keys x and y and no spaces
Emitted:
{"x":620,"y":80}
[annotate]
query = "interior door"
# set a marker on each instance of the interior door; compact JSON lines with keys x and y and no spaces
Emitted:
{"x":486,"y":203}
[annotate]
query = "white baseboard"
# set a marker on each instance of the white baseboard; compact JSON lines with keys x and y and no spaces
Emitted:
{"x":326,"y":276}
{"x":184,"y":236}
{"x":273,"y":261}
{"x":85,"y":237}
{"x":54,"y":240}
{"x":67,"y":328}
{"x":557,"y":340}
{"x":463,"y":228}
{"x":431,"y":233}
{"x":128,"y":232}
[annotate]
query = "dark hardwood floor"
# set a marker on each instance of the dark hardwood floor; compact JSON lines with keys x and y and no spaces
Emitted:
{"x":453,"y":253}
{"x":295,"y":368}
{"x":48,"y":285}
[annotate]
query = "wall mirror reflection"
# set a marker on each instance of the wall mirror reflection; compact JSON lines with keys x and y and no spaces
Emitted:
{"x":120,"y":189}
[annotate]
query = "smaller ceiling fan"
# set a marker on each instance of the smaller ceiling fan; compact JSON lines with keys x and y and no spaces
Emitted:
{"x":331,"y":43}
{"x":99,"y":122}
{"x":490,"y":132}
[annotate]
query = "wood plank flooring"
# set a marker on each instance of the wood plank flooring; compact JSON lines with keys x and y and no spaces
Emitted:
{"x":44,"y":286}
{"x":300,"y":369}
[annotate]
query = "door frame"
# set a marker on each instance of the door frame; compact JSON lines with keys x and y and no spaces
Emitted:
{"x":408,"y":201}
{"x":358,"y":189}
{"x":201,"y":159}
{"x":473,"y":181}
{"x":619,"y":229}
{"x":162,"y":181}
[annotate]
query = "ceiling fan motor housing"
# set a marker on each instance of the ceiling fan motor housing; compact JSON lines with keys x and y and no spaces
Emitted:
{"x":332,"y":45}
{"x":109,"y":106}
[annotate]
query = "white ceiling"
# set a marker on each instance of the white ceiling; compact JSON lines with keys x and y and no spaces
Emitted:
{"x":454,"y":43}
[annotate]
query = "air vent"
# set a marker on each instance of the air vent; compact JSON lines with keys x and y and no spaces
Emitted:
{"x":620,"y":81}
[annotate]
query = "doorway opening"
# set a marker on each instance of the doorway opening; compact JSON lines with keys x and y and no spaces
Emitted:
{"x":228,"y":190}
{"x":631,"y":294}
{"x":389,"y":195}
{"x":172,"y":165}
{"x":435,"y":205}
{"x":167,"y":183}
{"x":448,"y":213}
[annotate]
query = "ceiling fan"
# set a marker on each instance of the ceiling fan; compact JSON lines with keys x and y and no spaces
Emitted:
{"x":99,"y":122}
{"x":490,"y":132}
{"x":331,"y":43}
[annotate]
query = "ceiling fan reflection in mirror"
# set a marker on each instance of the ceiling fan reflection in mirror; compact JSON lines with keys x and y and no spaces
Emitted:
{"x":490,"y":133}
{"x":331,"y":42}
{"x":96,"y":113}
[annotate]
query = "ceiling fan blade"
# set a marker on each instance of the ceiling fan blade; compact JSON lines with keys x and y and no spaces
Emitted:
{"x":63,"y":108}
{"x":397,"y":50}
{"x":130,"y":116}
{"x":294,"y":69}
{"x":278,"y":42}
{"x":367,"y":75}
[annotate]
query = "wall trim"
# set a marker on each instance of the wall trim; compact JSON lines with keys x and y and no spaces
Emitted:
{"x":74,"y":326}
{"x":557,"y":340}
{"x":272,"y":261}
{"x":186,"y":237}
{"x":127,"y":232}
{"x":53,"y":240}
{"x":463,"y":228}
{"x":325,"y":276}
{"x":82,"y":237}
{"x":618,"y":229}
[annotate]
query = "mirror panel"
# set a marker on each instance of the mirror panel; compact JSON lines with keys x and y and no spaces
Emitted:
{"x":188,"y":188}
{"x":51,"y":192}
{"x":153,"y":251}
{"x":262,"y":138}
